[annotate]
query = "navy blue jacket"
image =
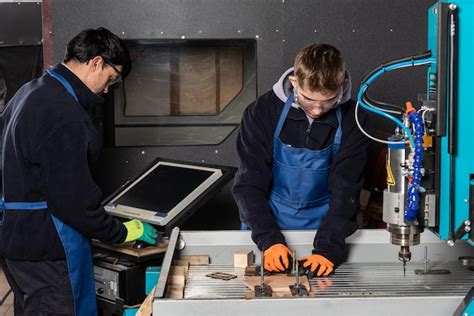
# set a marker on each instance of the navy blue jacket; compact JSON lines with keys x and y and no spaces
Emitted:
{"x":253,"y":180}
{"x":46,"y":158}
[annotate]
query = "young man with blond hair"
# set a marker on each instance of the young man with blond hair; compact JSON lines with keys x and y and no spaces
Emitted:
{"x":302,"y":158}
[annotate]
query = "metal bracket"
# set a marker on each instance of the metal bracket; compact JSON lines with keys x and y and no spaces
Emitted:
{"x":433,"y":272}
{"x":465,"y":304}
{"x":299,"y":290}
{"x":221,"y":276}
{"x":463,"y":229}
{"x":263,"y":290}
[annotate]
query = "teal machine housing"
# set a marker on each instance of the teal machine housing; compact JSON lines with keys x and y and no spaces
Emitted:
{"x":430,"y":158}
{"x":450,"y":86}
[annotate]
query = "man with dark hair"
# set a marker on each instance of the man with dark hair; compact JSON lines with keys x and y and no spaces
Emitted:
{"x":50,"y":206}
{"x":302,"y":158}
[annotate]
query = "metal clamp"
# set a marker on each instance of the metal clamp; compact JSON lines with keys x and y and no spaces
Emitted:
{"x":463,"y":229}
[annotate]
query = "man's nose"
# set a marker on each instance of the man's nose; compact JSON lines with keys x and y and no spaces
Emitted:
{"x":317,"y":110}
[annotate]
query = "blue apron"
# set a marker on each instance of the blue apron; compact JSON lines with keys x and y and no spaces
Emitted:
{"x":76,"y":246}
{"x":299,"y":197}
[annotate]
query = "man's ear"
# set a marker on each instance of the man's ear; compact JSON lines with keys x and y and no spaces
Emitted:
{"x":95,"y":63}
{"x":293,"y":80}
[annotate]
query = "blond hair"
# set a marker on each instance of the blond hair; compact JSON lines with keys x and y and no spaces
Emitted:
{"x":320,"y":67}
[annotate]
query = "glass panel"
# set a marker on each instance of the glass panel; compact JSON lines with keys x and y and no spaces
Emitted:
{"x":147,"y":87}
{"x":181,"y":92}
{"x":178,"y":81}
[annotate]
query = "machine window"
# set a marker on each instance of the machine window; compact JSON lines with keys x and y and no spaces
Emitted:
{"x":178,"y":89}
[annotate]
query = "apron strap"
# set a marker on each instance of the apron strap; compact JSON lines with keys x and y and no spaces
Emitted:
{"x":20,"y":206}
{"x":338,"y":136}
{"x":64,"y":82}
{"x":23,"y":206}
{"x":283,"y":115}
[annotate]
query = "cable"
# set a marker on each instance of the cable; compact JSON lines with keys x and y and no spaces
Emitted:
{"x":422,"y":55}
{"x":365,"y":86}
{"x":379,"y":108}
{"x":367,"y":134}
{"x":372,"y":101}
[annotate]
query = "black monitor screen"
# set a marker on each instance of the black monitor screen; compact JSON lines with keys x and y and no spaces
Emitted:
{"x":163,"y":188}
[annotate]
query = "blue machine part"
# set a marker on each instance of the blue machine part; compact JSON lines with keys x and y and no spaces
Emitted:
{"x":151,"y":278}
{"x":130,"y":311}
{"x":464,"y":155}
{"x":466,"y":308}
{"x":469,"y":311}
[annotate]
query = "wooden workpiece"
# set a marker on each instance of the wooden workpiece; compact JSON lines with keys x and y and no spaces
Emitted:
{"x":177,"y":276}
{"x":197,"y":260}
{"x":129,"y":250}
{"x":243,"y":258}
{"x":174,"y":291}
{"x":184,"y":264}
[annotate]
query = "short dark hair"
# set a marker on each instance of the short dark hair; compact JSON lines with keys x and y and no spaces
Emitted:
{"x":90,"y":43}
{"x":320,"y":67}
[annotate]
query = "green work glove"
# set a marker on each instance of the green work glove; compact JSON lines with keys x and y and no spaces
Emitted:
{"x":141,"y":231}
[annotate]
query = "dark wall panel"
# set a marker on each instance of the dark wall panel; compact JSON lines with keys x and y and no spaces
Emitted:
{"x":368,"y":32}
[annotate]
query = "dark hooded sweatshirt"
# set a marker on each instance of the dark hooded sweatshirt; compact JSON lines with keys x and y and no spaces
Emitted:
{"x":47,"y":150}
{"x":253,"y":181}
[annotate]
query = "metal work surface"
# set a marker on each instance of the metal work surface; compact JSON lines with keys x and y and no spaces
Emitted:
{"x":370,"y":283}
{"x":350,"y":280}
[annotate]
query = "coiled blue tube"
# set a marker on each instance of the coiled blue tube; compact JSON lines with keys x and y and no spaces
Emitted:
{"x":413,"y":198}
{"x":365,"y":86}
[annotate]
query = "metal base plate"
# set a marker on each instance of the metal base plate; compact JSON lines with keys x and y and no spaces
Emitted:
{"x":299,"y":290}
{"x":263,"y":290}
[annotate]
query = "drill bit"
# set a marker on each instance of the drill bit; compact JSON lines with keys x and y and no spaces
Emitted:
{"x":404,"y":255}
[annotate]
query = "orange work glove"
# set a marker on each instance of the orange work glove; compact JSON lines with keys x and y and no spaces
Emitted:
{"x":276,"y":258}
{"x":313,"y":262}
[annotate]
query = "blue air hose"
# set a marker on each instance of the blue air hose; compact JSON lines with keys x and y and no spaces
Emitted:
{"x":371,"y":78}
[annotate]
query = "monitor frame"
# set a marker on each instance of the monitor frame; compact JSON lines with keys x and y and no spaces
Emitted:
{"x":149,"y":216}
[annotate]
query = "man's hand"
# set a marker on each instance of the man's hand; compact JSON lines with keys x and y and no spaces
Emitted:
{"x":276,"y":258}
{"x":141,"y":231}
{"x":319,"y":265}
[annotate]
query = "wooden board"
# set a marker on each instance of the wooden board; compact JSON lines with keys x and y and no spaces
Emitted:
{"x":279,"y":283}
{"x":243,"y":258}
{"x":129,"y":250}
{"x":196,"y":260}
{"x":183,"y":264}
{"x":174,"y":291}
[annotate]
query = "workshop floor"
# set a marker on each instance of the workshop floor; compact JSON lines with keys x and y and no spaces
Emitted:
{"x":7,"y":308}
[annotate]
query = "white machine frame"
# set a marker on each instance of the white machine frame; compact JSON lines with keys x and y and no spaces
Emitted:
{"x":370,"y":246}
